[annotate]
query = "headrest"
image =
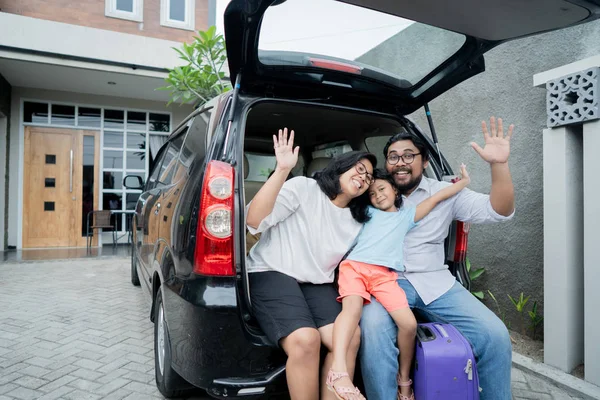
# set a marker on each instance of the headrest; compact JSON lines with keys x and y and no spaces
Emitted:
{"x":317,"y":165}
{"x":246,"y":167}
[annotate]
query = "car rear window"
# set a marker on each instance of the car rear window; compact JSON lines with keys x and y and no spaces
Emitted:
{"x":399,"y":47}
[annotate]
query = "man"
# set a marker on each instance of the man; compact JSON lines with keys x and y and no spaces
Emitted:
{"x":430,"y":288}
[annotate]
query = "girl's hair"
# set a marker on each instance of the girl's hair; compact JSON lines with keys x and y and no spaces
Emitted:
{"x":386,"y":176}
{"x":329,"y":180}
{"x":365,"y":202}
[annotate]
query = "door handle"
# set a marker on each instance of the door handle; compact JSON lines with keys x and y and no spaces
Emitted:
{"x":157,"y":209}
{"x":71,"y":172}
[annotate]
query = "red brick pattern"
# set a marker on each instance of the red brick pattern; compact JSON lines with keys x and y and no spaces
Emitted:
{"x":91,"y":13}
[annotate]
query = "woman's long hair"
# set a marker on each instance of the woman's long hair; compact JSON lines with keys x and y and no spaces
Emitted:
{"x":329,"y":180}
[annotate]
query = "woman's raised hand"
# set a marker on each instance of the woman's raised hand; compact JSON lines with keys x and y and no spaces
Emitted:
{"x":285,"y":153}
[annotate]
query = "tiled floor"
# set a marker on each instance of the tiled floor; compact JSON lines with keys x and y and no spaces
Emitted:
{"x":83,"y":332}
{"x":64,"y":253}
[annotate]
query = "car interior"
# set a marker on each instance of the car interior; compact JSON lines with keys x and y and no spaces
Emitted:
{"x":321,"y":133}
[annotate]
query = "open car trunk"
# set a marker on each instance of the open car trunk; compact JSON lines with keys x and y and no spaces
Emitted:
{"x":321,"y":132}
{"x":393,"y":54}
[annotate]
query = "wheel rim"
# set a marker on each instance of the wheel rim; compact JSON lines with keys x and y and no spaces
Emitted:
{"x":160,"y":340}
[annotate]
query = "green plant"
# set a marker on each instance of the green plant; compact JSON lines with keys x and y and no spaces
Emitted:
{"x":520,"y":303}
{"x":474,"y":274}
{"x":534,"y":319}
{"x":202,"y":78}
{"x":501,"y":313}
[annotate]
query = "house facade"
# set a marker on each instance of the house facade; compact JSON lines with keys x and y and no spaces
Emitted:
{"x":79,"y":109}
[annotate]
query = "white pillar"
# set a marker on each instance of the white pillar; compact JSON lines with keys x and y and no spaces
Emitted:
{"x":563,"y":248}
{"x":591,"y":200}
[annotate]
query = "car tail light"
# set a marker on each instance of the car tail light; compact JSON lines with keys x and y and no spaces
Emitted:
{"x":335,"y":65}
{"x":462,"y":241}
{"x":214,"y":237}
{"x":462,"y":237}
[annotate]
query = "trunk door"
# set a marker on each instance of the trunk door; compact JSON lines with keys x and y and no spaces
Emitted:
{"x":397,"y":51}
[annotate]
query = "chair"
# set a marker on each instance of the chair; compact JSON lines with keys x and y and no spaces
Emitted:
{"x":100,"y":220}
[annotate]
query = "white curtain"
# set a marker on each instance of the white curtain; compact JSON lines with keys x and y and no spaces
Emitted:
{"x":156,"y":142}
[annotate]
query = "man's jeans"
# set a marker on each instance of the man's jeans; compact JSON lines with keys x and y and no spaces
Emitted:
{"x":486,"y":333}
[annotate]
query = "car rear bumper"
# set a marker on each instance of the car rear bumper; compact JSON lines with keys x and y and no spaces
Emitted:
{"x":209,"y":347}
{"x":272,"y":383}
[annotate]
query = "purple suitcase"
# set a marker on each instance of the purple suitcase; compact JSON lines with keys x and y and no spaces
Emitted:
{"x":444,"y":365}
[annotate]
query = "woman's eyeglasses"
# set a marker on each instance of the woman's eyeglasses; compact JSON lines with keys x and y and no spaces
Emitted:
{"x":361,"y":169}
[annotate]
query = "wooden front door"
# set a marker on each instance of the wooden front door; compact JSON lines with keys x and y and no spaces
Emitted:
{"x":55,"y":194}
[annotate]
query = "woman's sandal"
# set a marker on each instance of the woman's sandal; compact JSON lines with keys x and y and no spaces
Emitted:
{"x":340,"y":392}
{"x":405,"y":384}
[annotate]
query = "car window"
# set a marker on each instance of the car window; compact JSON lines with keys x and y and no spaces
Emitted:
{"x":169,"y":165}
{"x":156,"y":167}
{"x":375,"y":145}
{"x":260,"y":166}
{"x":195,"y":143}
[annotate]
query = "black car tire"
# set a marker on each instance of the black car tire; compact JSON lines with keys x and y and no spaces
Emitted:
{"x":169,"y":383}
{"x":135,"y":279}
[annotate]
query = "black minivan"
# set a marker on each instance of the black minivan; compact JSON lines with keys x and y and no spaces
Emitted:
{"x":190,"y":240}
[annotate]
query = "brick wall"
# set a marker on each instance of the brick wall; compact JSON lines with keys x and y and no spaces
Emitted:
{"x":91,"y":13}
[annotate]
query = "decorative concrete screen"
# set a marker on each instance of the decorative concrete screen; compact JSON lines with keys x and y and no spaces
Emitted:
{"x":573,"y":98}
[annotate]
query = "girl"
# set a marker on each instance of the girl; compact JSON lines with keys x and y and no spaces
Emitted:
{"x":307,"y":226}
{"x":369,"y":270}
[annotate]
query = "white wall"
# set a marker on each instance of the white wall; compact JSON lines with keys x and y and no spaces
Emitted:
{"x":73,"y":40}
{"x":16,"y":140}
{"x":3,"y":136}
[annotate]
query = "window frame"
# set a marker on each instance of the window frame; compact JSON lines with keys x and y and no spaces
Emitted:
{"x":189,"y":22}
{"x":137,"y":15}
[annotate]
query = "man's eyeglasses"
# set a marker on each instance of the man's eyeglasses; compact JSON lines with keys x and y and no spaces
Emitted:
{"x":361,"y":169}
{"x":407,"y":158}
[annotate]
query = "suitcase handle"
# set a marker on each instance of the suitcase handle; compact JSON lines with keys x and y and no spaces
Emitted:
{"x":425,"y":334}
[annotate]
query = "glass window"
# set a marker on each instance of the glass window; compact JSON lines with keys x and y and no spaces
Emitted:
{"x":113,"y":139}
{"x":36,"y":113}
{"x":112,"y":180}
{"x":177,"y":10}
{"x":112,"y":201}
{"x":114,"y":119}
{"x":88,"y":117}
{"x":156,"y":168}
{"x":136,"y":141}
{"x":156,"y":142}
{"x":404,"y":49}
{"x":195,"y":140}
{"x":87,"y":195}
{"x":113,"y":159}
{"x":160,"y":122}
{"x":170,"y":163}
{"x":62,"y":115}
{"x":135,"y":160}
{"x":132,"y":198}
{"x":260,"y":166}
{"x":132,"y":10}
{"x":376,"y":144}
{"x":136,"y":121}
{"x":177,"y":14}
{"x":125,"y":5}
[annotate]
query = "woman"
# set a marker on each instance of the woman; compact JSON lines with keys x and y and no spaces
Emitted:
{"x":307,"y":226}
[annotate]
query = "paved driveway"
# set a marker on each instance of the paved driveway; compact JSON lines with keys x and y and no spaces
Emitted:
{"x":79,"y":330}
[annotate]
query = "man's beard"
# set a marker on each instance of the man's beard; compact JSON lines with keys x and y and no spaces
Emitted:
{"x":412,"y":183}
